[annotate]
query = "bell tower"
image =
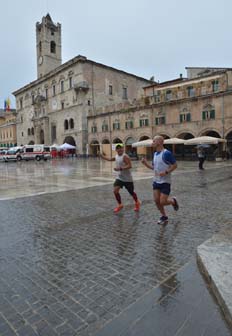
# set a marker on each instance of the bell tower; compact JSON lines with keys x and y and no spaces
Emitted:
{"x":48,"y":45}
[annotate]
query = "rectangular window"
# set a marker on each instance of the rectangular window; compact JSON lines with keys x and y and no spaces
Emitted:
{"x":110,"y":90}
{"x":46,"y":93}
{"x":62,"y":86}
{"x":212,"y":114}
{"x":157,"y":97}
{"x":124,"y":93}
{"x":206,"y":115}
{"x":179,"y":94}
{"x":188,"y":116}
{"x":70,"y":82}
{"x":62,"y":105}
{"x":160,"y":120}
{"x":33,"y":99}
{"x":94,"y":129}
{"x":53,"y":90}
{"x":185,"y":117}
{"x":168,"y":95}
{"x":116,"y":126}
{"x":191,"y":91}
{"x":143,"y":122}
{"x":105,"y":128}
{"x":215,"y":86}
{"x":129,"y":124}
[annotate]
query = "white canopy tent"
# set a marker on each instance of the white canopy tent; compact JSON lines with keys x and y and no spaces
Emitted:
{"x":174,"y":141}
{"x":149,"y":142}
{"x":143,"y":143}
{"x":67,"y":146}
{"x":204,"y":140}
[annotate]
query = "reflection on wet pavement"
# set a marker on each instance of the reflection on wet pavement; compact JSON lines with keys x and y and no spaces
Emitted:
{"x":69,"y":266}
{"x":20,"y":179}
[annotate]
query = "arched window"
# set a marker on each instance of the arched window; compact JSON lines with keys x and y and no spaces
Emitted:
{"x":53,"y":47}
{"x":40,"y":47}
{"x":32,"y":131}
{"x":71,"y":123}
{"x":66,"y":124}
{"x":28,"y":131}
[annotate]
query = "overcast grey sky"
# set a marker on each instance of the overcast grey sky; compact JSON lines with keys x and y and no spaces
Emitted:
{"x":143,"y":37}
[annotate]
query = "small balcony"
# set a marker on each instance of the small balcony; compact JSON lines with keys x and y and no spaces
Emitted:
{"x":81,"y":86}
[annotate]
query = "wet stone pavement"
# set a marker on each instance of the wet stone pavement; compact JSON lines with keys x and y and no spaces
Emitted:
{"x":69,"y":266}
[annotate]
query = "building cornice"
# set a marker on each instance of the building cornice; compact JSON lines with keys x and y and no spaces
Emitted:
{"x":63,"y":67}
{"x":161,"y":104}
{"x":187,"y":81}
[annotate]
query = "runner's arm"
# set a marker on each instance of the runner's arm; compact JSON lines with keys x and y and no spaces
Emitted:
{"x":102,"y":156}
{"x":170,"y":169}
{"x":145,"y":162}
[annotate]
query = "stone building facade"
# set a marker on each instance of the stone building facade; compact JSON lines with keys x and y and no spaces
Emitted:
{"x":7,"y":128}
{"x":54,"y":108}
{"x":200,"y":104}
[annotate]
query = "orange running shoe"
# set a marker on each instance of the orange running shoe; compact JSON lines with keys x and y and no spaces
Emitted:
{"x":137,"y":206}
{"x":119,"y":208}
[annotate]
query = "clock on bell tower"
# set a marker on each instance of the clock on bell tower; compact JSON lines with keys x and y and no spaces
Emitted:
{"x":40,"y":60}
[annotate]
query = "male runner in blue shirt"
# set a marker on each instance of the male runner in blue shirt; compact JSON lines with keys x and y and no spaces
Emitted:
{"x":163,"y":164}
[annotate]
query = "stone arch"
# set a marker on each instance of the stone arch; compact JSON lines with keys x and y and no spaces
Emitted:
{"x":182,"y":151}
{"x":129,"y":141}
{"x":94,"y":148}
{"x":144,"y":137}
{"x":214,"y":150}
{"x":185,"y":135}
{"x":105,"y":141}
{"x":70,"y":140}
{"x":31,"y":142}
{"x":117,"y":140}
{"x":165,"y":136}
{"x":211,"y":132}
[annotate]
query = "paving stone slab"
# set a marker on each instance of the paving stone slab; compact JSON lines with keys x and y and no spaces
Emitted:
{"x":214,"y":257}
{"x":67,"y":260}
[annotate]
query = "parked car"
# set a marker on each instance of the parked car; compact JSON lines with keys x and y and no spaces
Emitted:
{"x":13,"y":154}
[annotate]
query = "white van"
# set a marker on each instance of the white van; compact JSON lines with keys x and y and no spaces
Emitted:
{"x":36,"y":152}
{"x":13,"y":154}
